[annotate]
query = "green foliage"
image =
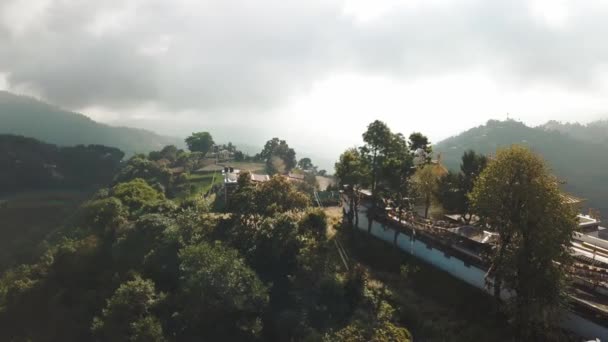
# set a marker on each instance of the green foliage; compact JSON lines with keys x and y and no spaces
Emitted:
{"x":139,"y":166}
{"x":278,"y":195}
{"x":200,"y":142}
{"x":136,"y":194}
{"x":518,"y":197}
{"x":26,"y":163}
{"x":128,"y":314}
{"x":305,"y":164}
{"x":418,"y":140}
{"x":454,"y":188}
{"x":220,"y":295}
{"x":568,"y":157}
{"x":426,"y":184}
{"x":279,"y":157}
{"x":105,"y":214}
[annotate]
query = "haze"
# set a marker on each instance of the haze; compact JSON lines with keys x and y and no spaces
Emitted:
{"x":312,"y":72}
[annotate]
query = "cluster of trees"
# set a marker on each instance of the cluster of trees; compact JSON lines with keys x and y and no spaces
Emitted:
{"x":27,"y":163}
{"x":202,"y":142}
{"x":386,"y":164}
{"x":136,"y":266}
{"x":574,"y":152}
{"x":513,"y":194}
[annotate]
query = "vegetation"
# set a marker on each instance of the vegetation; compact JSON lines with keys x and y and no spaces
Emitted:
{"x":518,"y":197}
{"x":515,"y":195}
{"x":20,"y":115}
{"x":133,"y":265}
{"x":147,"y":259}
{"x":580,"y":162}
{"x":278,"y":156}
{"x":27,"y":164}
{"x":200,"y":142}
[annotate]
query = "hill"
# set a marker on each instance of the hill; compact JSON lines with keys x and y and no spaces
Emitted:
{"x":21,"y":115}
{"x":581,"y":164}
{"x":593,"y":132}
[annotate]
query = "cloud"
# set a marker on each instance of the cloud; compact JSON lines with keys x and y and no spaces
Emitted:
{"x":247,"y":58}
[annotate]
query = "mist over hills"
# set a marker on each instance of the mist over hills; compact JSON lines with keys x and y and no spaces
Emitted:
{"x":573,"y":151}
{"x":594,"y":132}
{"x":21,"y":115}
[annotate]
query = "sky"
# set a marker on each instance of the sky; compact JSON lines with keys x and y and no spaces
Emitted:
{"x":312,"y":72}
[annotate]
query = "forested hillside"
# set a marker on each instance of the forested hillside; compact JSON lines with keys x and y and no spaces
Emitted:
{"x":594,"y":132}
{"x":27,"y":164}
{"x":582,"y":165}
{"x":26,"y":116}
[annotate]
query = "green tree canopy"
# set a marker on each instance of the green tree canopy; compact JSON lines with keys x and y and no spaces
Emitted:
{"x":128,"y":314}
{"x":518,"y":197}
{"x":279,"y":157}
{"x":222,"y":297}
{"x":200,"y":142}
{"x":136,"y":193}
{"x":305,"y":163}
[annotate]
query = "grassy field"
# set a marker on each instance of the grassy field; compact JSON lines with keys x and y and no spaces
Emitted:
{"x":202,"y":183}
{"x":27,"y":218}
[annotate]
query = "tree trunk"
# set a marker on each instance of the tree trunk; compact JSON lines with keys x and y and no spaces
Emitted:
{"x":427,"y":205}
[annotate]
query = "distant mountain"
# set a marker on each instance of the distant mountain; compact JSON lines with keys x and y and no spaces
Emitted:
{"x":582,"y":164}
{"x":21,"y":115}
{"x":593,"y":132}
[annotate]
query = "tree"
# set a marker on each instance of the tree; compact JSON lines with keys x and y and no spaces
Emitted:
{"x":279,"y":157}
{"x":397,"y":169}
{"x":221,"y":297}
{"x":305,"y":164}
{"x":136,"y":193}
{"x":128,"y":314}
{"x":353,"y":174}
{"x":200,"y":142}
{"x":252,"y":204}
{"x":471,"y":167}
{"x":426,"y":183}
{"x":377,"y":139}
{"x":418,"y":140}
{"x":239,"y":156}
{"x":454,"y":187}
{"x":518,"y":197}
{"x":450,"y":193}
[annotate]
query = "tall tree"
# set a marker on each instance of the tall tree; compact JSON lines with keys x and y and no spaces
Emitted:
{"x":352,"y":173}
{"x":377,"y":139}
{"x":471,"y":167}
{"x":200,"y":142}
{"x":518,"y":197}
{"x":397,"y":169}
{"x":426,"y":184}
{"x":305,"y":163}
{"x":279,"y":157}
{"x":421,"y":148}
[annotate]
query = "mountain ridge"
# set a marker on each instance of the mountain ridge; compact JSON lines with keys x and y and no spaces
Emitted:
{"x":581,"y":164}
{"x":30,"y":117}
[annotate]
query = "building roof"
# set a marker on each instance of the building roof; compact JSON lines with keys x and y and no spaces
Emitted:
{"x":569,"y":199}
{"x":231,"y":177}
{"x":296,"y":176}
{"x":256,"y":177}
{"x":179,"y":169}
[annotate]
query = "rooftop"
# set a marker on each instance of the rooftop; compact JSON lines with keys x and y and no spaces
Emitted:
{"x":255,"y":177}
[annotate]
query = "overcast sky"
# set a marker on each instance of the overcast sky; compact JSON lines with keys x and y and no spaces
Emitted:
{"x":313,"y":72}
